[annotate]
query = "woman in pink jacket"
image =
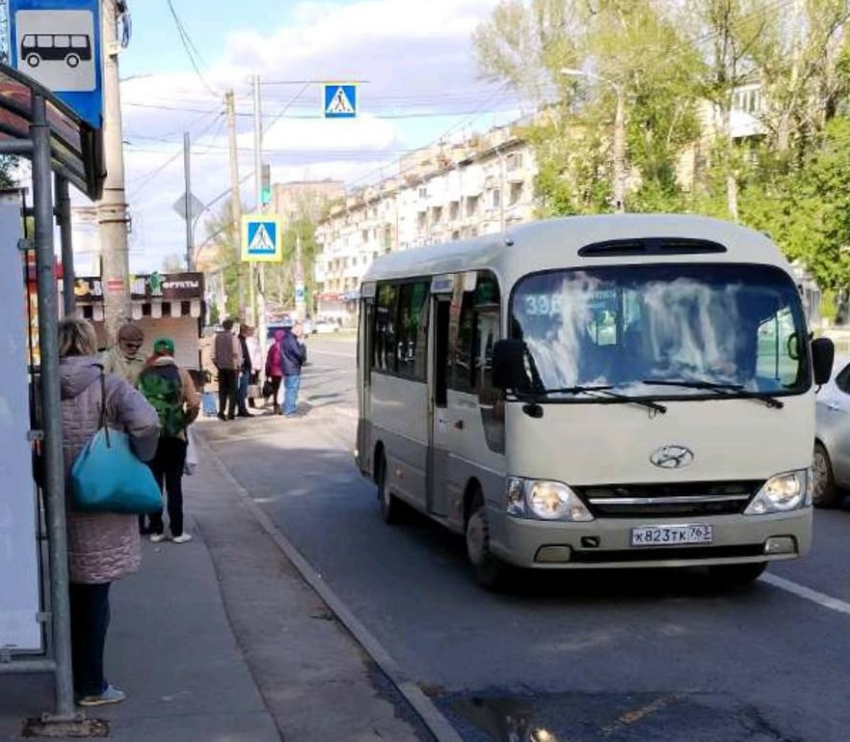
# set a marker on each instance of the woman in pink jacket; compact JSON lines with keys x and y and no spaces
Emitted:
{"x":101,"y":547}
{"x":274,"y":367}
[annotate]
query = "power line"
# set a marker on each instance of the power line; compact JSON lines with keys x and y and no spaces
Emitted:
{"x":189,"y":46}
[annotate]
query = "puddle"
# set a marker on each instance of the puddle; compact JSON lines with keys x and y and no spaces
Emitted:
{"x":607,"y":717}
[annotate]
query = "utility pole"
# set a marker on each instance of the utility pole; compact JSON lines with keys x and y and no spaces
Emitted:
{"x":258,"y":298}
{"x":235,"y":198}
{"x":112,"y":208}
{"x":620,"y":152}
{"x":190,"y":221}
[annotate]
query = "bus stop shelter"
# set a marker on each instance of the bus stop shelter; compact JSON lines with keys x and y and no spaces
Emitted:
{"x":64,"y":151}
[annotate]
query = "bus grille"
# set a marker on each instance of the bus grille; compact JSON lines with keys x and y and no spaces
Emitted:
{"x":669,"y":500}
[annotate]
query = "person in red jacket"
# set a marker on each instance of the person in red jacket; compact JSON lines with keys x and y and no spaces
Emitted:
{"x":274,"y":368}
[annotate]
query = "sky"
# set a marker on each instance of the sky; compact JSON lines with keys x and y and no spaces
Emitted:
{"x":415,"y":59}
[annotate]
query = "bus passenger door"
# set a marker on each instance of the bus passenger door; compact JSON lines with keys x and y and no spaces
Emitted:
{"x":438,"y":424}
{"x":364,"y":386}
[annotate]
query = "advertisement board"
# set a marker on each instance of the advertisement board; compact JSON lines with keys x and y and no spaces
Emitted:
{"x":19,"y":569}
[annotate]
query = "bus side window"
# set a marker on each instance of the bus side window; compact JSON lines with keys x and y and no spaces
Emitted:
{"x":384,"y":338}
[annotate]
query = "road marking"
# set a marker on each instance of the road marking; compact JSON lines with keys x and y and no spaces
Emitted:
{"x":426,"y":709}
{"x":826,"y":601}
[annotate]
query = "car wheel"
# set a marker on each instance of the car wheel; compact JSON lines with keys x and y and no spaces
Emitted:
{"x":33,"y":60}
{"x":825,"y":494}
{"x":736,"y":575}
{"x":490,"y":571}
{"x":391,"y":506}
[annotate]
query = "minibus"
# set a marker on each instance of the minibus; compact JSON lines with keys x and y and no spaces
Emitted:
{"x":618,"y":391}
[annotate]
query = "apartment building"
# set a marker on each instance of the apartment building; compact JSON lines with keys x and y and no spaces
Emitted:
{"x":455,"y":191}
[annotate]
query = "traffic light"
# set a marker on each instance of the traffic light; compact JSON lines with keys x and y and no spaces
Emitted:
{"x":267,"y":184}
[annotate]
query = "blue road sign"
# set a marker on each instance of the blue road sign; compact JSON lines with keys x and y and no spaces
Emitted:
{"x":57,"y":44}
{"x":340,"y":101}
{"x":262,"y":239}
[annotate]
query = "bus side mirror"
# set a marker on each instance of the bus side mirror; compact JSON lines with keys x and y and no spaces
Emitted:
{"x":509,"y":365}
{"x":823,"y":356}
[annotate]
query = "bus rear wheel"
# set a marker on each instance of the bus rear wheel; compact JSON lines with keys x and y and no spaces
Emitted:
{"x":72,"y":60}
{"x":490,"y":571}
{"x":33,"y":60}
{"x":391,"y":506}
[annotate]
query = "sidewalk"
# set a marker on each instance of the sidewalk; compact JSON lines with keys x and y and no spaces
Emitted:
{"x":220,"y":640}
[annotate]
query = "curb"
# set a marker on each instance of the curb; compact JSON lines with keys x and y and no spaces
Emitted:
{"x":427,"y":711}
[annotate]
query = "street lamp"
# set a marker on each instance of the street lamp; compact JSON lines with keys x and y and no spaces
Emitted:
{"x":619,"y":154}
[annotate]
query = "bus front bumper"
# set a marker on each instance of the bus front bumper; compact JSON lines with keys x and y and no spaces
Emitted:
{"x":606,"y":543}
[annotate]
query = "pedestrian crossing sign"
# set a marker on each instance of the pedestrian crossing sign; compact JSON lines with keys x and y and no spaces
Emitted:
{"x":262,"y":239}
{"x":340,"y":101}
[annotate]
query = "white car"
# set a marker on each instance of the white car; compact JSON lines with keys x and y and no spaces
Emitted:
{"x":321,"y":327}
{"x":832,"y":439}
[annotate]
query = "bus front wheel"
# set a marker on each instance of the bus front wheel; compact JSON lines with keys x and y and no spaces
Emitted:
{"x":72,"y":60}
{"x":391,"y":506}
{"x":33,"y":60}
{"x":490,"y":571}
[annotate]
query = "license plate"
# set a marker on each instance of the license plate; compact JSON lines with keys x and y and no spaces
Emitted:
{"x":671,"y":535}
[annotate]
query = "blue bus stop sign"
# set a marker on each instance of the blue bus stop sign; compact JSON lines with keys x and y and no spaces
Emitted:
{"x":57,"y":44}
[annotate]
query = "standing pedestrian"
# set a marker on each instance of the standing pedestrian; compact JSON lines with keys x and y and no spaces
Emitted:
{"x":172,"y":393}
{"x":227,"y":358}
{"x":256,"y":354}
{"x":124,"y":358}
{"x":125,"y":361}
{"x":209,"y":376}
{"x":102,"y":547}
{"x":294,"y":355}
{"x":245,"y":372}
{"x":274,"y":368}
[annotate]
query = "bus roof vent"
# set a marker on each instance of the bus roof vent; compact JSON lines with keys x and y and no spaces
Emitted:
{"x":650,"y":246}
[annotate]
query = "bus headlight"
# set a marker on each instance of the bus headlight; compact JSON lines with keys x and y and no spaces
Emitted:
{"x":781,"y":494}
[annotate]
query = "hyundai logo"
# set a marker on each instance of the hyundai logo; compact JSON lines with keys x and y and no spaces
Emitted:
{"x":672,"y":457}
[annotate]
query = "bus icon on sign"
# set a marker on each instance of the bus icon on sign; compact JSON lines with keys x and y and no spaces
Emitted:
{"x":68,"y":48}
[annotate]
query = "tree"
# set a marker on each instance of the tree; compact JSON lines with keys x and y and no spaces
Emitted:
{"x":173,"y":264}
{"x":636,"y":46}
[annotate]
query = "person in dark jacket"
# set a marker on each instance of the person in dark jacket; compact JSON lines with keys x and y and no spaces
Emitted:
{"x":245,"y":372}
{"x":274,"y":368}
{"x":293,"y":356}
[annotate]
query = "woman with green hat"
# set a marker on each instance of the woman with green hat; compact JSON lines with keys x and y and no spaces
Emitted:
{"x":172,"y":393}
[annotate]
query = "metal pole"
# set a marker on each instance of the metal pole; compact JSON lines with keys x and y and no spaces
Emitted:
{"x":620,"y":153}
{"x":258,"y":301}
{"x":112,"y":208}
{"x":235,"y":198}
{"x":51,"y":404}
{"x":63,"y":203}
{"x":187,"y":173}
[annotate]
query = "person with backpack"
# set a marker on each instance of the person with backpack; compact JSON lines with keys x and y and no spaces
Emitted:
{"x":274,"y":370}
{"x":170,"y":391}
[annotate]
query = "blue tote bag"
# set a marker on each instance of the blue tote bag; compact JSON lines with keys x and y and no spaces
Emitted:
{"x":108,"y":477}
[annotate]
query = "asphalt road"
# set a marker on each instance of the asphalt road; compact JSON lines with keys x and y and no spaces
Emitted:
{"x":617,"y":656}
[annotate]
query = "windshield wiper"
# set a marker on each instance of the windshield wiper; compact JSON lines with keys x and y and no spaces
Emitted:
{"x":606,"y":391}
{"x":729,"y":390}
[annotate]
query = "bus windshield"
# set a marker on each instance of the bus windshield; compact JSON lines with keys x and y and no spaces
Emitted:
{"x":662,"y":330}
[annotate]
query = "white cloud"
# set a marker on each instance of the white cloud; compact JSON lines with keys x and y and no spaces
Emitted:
{"x":416,"y":57}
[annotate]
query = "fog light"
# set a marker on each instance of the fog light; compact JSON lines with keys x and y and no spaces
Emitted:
{"x":780,"y":545}
{"x":553,"y":554}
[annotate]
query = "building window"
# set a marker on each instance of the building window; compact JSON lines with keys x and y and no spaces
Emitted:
{"x":422,"y":220}
{"x":438,"y":214}
{"x":423,"y":191}
{"x":364,"y":235}
{"x":514,"y":161}
{"x":454,"y":210}
{"x":472,"y":205}
{"x":516,"y":193}
{"x":496,"y":198}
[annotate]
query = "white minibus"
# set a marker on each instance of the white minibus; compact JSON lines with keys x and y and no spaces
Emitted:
{"x":595,"y":392}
